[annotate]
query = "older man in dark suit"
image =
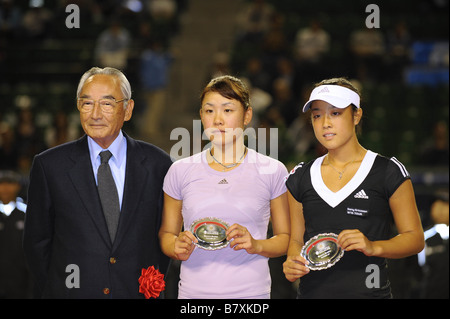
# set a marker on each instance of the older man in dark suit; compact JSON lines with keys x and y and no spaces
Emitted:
{"x":94,"y":205}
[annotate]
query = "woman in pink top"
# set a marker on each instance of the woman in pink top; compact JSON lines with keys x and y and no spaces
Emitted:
{"x":233,"y":184}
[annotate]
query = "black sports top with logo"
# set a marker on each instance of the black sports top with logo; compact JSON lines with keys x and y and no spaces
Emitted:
{"x":363,"y":203}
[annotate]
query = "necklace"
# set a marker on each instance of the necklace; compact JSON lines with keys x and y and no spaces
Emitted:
{"x":225,"y":167}
{"x":337,"y":171}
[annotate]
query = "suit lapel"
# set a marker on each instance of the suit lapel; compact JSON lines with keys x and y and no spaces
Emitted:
{"x":82,"y":177}
{"x":136,"y":175}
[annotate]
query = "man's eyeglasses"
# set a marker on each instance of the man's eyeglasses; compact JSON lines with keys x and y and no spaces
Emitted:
{"x":107,"y":105}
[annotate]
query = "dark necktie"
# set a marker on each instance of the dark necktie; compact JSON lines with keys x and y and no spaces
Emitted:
{"x":108,"y":194}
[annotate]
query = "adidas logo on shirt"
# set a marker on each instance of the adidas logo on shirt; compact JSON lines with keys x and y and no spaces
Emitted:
{"x":361,"y":194}
{"x":223,"y":181}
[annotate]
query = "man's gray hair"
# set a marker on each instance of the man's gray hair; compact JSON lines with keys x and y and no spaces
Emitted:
{"x":124,"y":84}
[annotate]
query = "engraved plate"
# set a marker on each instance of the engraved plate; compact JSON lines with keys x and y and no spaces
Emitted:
{"x":322,"y":251}
{"x":210,"y":233}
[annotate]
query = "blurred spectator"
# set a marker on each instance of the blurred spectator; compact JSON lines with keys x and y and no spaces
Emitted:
{"x":10,"y":19}
{"x":220,"y":65}
{"x":96,"y":13}
{"x":255,"y":18}
{"x":434,"y":258}
{"x":285,"y":70}
{"x":112,"y":46}
{"x":9,"y":153}
{"x":256,"y":74}
{"x":155,"y":63}
{"x":61,"y":131}
{"x":301,"y":138}
{"x":269,"y":120}
{"x":15,"y":279}
{"x":367,"y":47}
{"x":435,"y":150}
{"x":29,"y":140}
{"x":163,"y":14}
{"x":300,"y":134}
{"x":3,"y":55}
{"x":260,"y":101}
{"x":367,"y":42}
{"x":106,"y":8}
{"x":311,"y":43}
{"x":275,"y":43}
{"x":252,"y":23}
{"x":283,"y":103}
{"x":145,"y":35}
{"x":162,"y":9}
{"x":36,"y":22}
{"x":398,"y":50}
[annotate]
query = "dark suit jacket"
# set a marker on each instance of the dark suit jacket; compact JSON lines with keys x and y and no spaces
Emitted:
{"x":15,"y":282}
{"x":65,"y":225}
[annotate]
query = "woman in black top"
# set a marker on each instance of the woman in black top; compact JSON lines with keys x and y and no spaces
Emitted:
{"x":352,"y":192}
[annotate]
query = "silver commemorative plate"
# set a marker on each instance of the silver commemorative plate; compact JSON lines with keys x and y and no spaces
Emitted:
{"x":210,"y":233}
{"x":322,"y":251}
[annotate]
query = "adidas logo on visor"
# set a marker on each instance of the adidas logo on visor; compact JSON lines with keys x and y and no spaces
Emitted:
{"x":324,"y":90}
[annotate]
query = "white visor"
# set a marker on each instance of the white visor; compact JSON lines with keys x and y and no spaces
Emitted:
{"x":336,"y":95}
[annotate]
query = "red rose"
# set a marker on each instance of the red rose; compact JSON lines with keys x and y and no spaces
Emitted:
{"x":151,"y":282}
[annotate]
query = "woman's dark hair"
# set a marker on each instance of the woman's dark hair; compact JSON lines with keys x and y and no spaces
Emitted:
{"x":229,"y":87}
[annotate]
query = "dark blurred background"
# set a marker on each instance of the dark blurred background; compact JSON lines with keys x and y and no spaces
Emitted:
{"x":169,"y":49}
